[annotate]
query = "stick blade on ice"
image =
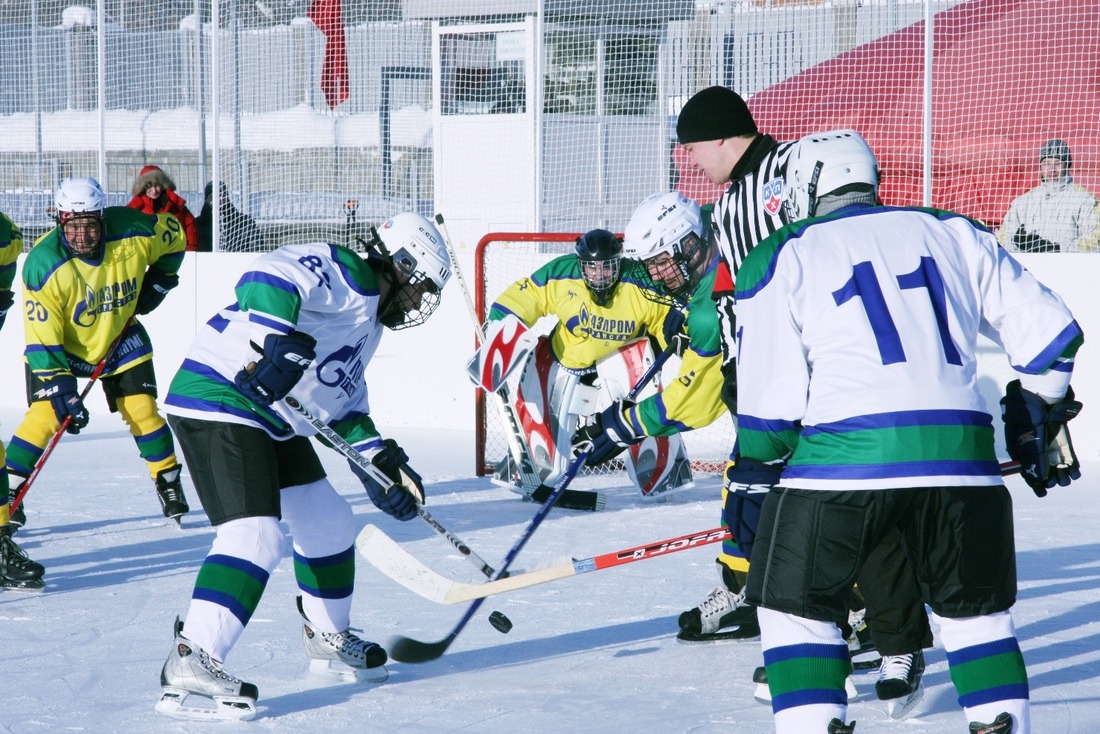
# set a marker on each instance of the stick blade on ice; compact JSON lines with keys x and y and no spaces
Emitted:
{"x":408,"y":650}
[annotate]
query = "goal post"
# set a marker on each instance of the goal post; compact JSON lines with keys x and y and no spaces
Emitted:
{"x":500,"y":259}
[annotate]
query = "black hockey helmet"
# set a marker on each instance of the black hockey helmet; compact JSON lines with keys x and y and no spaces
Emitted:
{"x":600,"y":253}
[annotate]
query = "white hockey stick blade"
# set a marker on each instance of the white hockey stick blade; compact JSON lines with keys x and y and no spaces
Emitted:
{"x":387,"y":555}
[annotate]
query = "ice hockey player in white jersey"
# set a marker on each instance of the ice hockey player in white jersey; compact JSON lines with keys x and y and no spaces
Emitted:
{"x":306,"y":318}
{"x":859,"y":408}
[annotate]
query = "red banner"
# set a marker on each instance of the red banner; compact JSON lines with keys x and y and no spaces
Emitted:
{"x":326,"y":15}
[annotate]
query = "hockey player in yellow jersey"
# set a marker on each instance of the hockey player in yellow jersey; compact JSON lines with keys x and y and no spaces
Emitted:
{"x":84,"y":284}
{"x":608,"y":310}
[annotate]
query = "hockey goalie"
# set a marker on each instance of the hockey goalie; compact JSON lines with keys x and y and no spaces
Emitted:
{"x":569,"y":385}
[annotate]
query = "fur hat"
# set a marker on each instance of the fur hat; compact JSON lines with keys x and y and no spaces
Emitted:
{"x":150,"y":175}
{"x":716,"y":113}
{"x":1056,"y":148}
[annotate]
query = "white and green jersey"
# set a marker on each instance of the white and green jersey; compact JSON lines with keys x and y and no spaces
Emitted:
{"x":857,"y":335}
{"x":326,"y":291}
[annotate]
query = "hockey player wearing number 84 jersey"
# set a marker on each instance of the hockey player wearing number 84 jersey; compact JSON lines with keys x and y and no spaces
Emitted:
{"x":306,"y":318}
{"x":857,"y":369}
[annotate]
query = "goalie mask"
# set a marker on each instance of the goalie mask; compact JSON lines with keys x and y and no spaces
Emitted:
{"x":421,"y":267}
{"x":667,"y":234}
{"x":80,"y":205}
{"x":600,"y":254}
{"x":833,"y":164}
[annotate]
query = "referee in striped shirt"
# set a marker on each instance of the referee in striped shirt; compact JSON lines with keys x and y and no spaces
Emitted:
{"x":719,"y":134}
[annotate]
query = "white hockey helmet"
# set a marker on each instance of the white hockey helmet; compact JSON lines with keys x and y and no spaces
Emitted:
{"x":80,"y":196}
{"x":422,"y":265}
{"x":828,"y":163}
{"x":669,"y":224}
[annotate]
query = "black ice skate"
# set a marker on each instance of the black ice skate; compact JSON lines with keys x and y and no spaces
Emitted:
{"x":17,"y":571}
{"x":190,"y":677}
{"x":1001,"y":725}
{"x":836,"y":726}
{"x":900,"y":683}
{"x":170,"y":494}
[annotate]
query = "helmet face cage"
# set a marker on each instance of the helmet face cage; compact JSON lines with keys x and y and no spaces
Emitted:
{"x":80,"y":205}
{"x":600,"y":254}
{"x":421,"y":268}
{"x":827,"y":163}
{"x":666,"y":232}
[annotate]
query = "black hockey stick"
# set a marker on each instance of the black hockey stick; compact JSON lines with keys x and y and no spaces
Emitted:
{"x":340,"y":444}
{"x":408,"y":650}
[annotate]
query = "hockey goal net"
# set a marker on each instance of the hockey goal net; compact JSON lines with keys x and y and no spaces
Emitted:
{"x":501,"y":259}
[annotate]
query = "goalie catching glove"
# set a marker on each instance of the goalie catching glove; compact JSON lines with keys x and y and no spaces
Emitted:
{"x":747,"y":483}
{"x":1036,"y":436}
{"x":607,"y":434}
{"x":399,"y":496}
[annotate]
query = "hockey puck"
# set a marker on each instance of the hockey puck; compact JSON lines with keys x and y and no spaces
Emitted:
{"x":500,"y":623}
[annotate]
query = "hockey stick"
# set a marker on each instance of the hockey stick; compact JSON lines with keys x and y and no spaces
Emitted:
{"x":529,"y":478}
{"x":341,"y":445}
{"x":408,"y":650}
{"x":24,"y":487}
{"x":385,"y":554}
{"x":394,"y":561}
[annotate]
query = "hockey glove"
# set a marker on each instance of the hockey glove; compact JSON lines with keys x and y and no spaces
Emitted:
{"x":7,"y":298}
{"x":729,"y":386}
{"x":1036,"y":435}
{"x":400,"y":498}
{"x":674,"y":333}
{"x":607,"y":435}
{"x":747,"y":484}
{"x":286,"y":358}
{"x":153,"y":290}
{"x":66,"y":402}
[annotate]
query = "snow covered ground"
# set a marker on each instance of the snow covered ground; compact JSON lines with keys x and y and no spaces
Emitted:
{"x":595,"y":653}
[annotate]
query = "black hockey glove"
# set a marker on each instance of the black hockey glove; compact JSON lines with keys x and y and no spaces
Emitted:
{"x":674,"y":333}
{"x":1030,"y":242}
{"x":606,"y":435}
{"x":747,"y":483}
{"x":729,"y":386}
{"x":153,"y":290}
{"x":1036,"y":435}
{"x":286,"y":358}
{"x":7,"y":298}
{"x":66,"y":402}
{"x":400,"y":498}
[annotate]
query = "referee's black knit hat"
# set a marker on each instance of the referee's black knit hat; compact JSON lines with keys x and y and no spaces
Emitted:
{"x":715,"y":113}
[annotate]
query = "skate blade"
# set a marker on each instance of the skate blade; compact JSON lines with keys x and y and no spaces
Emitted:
{"x":24,"y":587}
{"x":746,"y":633}
{"x":173,"y":704}
{"x":762,"y":693}
{"x":336,"y":671}
{"x":900,"y":708}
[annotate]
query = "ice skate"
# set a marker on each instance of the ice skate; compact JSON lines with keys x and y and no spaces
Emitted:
{"x":900,"y":683}
{"x":190,"y":677}
{"x":17,"y":518}
{"x":342,"y":655}
{"x":763,"y":694}
{"x":170,"y":493}
{"x":836,"y":726}
{"x":1001,"y":725}
{"x":860,"y":645}
{"x":17,"y":571}
{"x":721,"y":609}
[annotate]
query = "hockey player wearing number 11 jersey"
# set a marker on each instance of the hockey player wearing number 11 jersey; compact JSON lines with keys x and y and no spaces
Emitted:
{"x":857,"y":367}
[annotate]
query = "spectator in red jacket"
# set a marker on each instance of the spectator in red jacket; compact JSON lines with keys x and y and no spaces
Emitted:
{"x":155,"y":192}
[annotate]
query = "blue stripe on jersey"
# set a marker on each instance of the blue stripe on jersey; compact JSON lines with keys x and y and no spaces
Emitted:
{"x":899,"y":419}
{"x":752,"y":423}
{"x":270,"y":322}
{"x":893,"y":470}
{"x":1048,"y":358}
{"x":255,"y":276}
